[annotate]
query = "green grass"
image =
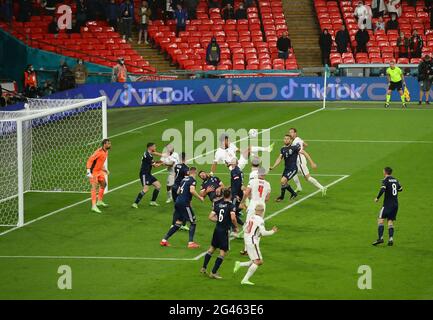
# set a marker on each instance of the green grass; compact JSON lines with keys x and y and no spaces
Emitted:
{"x":316,"y":254}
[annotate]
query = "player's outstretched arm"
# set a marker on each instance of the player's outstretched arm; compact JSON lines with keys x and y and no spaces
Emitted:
{"x":265,"y":232}
{"x":310,"y":160}
{"x":277,"y":162}
{"x":381,"y":191}
{"x":195,"y":194}
{"x":213,"y":168}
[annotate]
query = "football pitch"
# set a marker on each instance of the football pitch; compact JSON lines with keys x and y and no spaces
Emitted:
{"x":321,"y":243}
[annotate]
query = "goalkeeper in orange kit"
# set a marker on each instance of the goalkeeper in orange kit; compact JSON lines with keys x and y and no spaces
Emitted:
{"x":97,"y":172}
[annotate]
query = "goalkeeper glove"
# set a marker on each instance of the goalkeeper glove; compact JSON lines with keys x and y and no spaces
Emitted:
{"x":89,"y":174}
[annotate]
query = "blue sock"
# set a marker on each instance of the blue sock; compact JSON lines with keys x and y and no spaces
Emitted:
{"x":218,"y":263}
{"x":139,"y":197}
{"x":155,"y":194}
{"x":172,"y":231}
{"x":206,"y":259}
{"x":192,"y":232}
{"x":290,"y":189}
{"x":391,"y":231}
{"x":380,"y":231}
{"x":283,"y":191}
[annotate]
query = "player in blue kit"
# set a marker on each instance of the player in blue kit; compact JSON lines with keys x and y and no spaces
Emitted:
{"x":183,"y":211}
{"x":223,"y":213}
{"x":180,"y":172}
{"x":212,"y":186}
{"x":290,"y":155}
{"x":146,"y":177}
{"x":390,"y":187}
{"x":236,"y":181}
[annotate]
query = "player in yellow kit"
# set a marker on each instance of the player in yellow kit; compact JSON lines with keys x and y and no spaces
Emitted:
{"x":396,"y":81}
{"x":97,"y":172}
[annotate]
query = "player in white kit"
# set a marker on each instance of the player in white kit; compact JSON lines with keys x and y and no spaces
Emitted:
{"x":227,"y":152}
{"x":258,"y":191}
{"x":254,"y":230}
{"x":302,"y":164}
{"x":170,"y":159}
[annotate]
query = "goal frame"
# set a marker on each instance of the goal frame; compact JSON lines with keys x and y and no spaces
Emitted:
{"x":44,"y":113}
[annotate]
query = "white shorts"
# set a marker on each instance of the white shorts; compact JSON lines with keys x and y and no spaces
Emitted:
{"x":242,"y":162}
{"x":253,"y":251}
{"x":170,"y":179}
{"x":302,"y":165}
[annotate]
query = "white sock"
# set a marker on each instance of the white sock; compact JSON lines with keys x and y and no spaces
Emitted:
{"x":297,"y":182}
{"x":315,"y":182}
{"x":250,"y":272}
{"x":257,"y":149}
{"x":169,"y":195}
{"x":246,"y":264}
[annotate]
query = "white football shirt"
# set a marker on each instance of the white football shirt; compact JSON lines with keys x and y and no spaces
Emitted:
{"x":259,"y":190}
{"x":226,"y":155}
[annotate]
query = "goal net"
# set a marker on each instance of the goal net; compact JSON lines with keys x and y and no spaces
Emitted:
{"x":44,"y":148}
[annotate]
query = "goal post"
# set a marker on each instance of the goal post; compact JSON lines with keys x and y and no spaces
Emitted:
{"x":44,"y":148}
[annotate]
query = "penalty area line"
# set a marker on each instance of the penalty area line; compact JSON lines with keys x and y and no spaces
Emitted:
{"x":276,"y":213}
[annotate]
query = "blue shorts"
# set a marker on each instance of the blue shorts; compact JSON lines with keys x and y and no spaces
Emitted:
{"x":290,"y":173}
{"x":220,"y":239}
{"x":389,"y":213}
{"x":147,"y":179}
{"x":183,"y":212}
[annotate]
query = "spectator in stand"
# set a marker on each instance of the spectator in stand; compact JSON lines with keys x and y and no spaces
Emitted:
{"x":112,"y":13}
{"x":362,"y":37}
{"x":53,"y":27}
{"x":392,"y":24}
{"x":167,"y":9}
{"x":284,"y":45}
{"x":191,"y":8}
{"x":394,"y":6}
{"x":48,"y":88}
{"x":224,"y":3}
{"x":248,"y":3}
{"x":241,"y":12}
{"x":425,"y":74}
{"x":416,"y":44}
{"x":80,"y":72}
{"x":30,"y":82}
{"x":228,"y":12}
{"x":81,"y":13}
{"x":212,"y":4}
{"x":120,"y":73}
{"x":342,"y":39}
{"x":126,"y":18}
{"x":403,"y":46}
{"x":213,"y":53}
{"x":181,"y":16}
{"x":325,"y":42}
{"x":378,"y":8}
{"x":25,"y":10}
{"x":379,"y":25}
{"x":50,"y":6}
{"x":144,"y":14}
{"x":363,"y":14}
{"x":6,"y":10}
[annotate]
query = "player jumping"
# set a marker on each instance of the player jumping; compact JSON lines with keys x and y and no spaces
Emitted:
{"x":97,"y":172}
{"x":290,"y":155}
{"x":224,"y":214}
{"x":255,"y":228}
{"x":227,"y":152}
{"x":183,"y":211}
{"x":396,"y":81}
{"x":146,"y":177}
{"x":390,"y":187}
{"x":302,"y":164}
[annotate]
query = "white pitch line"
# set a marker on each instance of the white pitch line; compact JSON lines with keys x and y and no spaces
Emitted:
{"x":292,"y":205}
{"x":96,"y":258}
{"x":136,"y":180}
{"x":278,"y":174}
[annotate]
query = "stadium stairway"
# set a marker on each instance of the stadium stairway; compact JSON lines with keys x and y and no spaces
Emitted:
{"x":304,"y":31}
{"x":155,"y":58}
